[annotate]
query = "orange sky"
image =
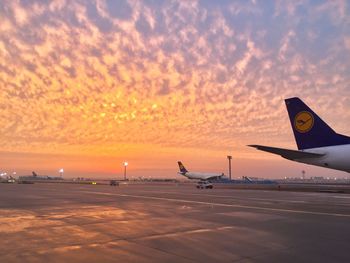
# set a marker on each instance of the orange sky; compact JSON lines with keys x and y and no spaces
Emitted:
{"x":86,"y":85}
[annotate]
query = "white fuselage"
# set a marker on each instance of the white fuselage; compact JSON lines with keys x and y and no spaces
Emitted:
{"x":201,"y":176}
{"x":335,"y":157}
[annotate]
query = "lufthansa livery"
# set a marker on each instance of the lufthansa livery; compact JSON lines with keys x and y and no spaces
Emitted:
{"x":197,"y":175}
{"x":318,"y":144}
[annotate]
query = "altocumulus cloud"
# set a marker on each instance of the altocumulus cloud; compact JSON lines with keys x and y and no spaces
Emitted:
{"x":202,"y":74}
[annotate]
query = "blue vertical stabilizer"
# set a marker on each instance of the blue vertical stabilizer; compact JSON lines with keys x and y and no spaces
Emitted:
{"x":182,"y":168}
{"x":311,"y":131}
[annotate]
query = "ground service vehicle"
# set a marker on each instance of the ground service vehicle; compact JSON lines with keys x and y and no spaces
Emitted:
{"x":204,"y":185}
{"x":113,"y":183}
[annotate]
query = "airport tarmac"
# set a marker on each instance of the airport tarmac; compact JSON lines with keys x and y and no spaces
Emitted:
{"x":170,"y":223}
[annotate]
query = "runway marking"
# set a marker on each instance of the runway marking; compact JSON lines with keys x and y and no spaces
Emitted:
{"x":341,"y":197}
{"x":231,"y":197}
{"x":261,"y":199}
{"x":181,"y":233}
{"x":221,"y":204}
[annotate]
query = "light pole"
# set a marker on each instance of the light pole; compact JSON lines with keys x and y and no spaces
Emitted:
{"x":229,"y":157}
{"x":125,"y":165}
{"x":61,"y":171}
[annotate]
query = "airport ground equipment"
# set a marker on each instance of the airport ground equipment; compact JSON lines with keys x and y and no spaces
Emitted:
{"x":204,"y":185}
{"x":113,"y":183}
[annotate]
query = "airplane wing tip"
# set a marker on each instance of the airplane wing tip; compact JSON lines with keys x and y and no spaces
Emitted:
{"x":255,"y":146}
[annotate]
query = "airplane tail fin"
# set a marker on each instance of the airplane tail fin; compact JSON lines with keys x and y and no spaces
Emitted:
{"x":246,"y":178}
{"x":310,"y":131}
{"x":182,"y":168}
{"x":34,"y":174}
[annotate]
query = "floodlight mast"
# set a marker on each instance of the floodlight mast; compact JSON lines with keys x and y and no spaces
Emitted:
{"x":229,"y":157}
{"x":125,"y":165}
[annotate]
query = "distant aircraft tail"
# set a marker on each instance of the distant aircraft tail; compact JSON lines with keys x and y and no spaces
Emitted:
{"x":34,"y":174}
{"x":310,"y":131}
{"x":246,"y":178}
{"x":182,"y":168}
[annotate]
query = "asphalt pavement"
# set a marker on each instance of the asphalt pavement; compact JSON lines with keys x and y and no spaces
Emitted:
{"x":170,"y":223}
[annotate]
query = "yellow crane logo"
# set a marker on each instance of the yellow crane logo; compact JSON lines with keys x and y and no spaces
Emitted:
{"x":304,"y":121}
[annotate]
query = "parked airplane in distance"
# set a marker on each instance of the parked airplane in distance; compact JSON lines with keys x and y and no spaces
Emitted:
{"x":197,"y":175}
{"x":318,"y":144}
{"x":35,"y":176}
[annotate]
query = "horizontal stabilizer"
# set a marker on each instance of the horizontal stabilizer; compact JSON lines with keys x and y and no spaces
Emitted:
{"x":288,"y":154}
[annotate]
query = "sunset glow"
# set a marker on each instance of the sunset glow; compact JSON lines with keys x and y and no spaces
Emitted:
{"x":86,"y":85}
